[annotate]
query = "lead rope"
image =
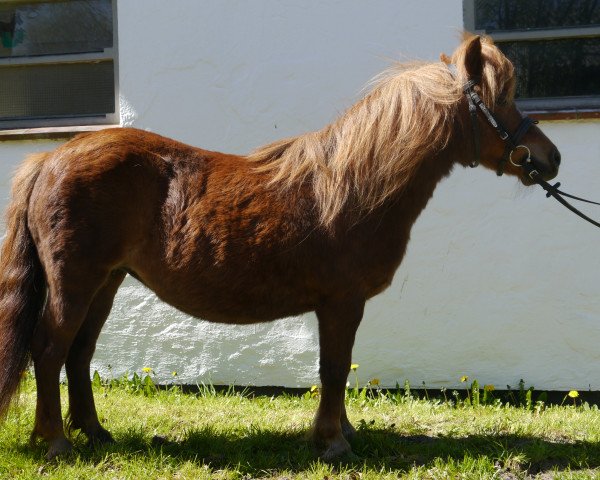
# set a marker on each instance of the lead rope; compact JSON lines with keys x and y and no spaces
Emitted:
{"x":553,"y":191}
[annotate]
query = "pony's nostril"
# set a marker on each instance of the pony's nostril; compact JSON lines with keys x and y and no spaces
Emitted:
{"x":556,"y":157}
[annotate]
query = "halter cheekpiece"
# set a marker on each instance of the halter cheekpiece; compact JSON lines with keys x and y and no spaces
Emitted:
{"x":511,"y":141}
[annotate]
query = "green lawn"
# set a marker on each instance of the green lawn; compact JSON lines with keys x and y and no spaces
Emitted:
{"x":169,"y":434}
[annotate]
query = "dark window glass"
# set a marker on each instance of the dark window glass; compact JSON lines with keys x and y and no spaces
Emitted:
{"x":502,"y":15}
{"x":55,"y":28}
{"x":57,"y":90}
{"x":555,"y":68}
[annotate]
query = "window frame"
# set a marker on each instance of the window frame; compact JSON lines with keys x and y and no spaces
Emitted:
{"x":63,"y":123}
{"x":567,"y":107}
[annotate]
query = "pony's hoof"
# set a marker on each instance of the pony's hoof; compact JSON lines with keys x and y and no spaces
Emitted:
{"x":337,"y":450}
{"x":59,"y":448}
{"x":99,"y":438}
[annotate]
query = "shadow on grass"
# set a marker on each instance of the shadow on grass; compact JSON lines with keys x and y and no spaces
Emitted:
{"x":257,"y":451}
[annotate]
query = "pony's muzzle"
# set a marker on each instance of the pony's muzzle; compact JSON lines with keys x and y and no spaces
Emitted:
{"x":547,"y":169}
{"x":554,"y":162}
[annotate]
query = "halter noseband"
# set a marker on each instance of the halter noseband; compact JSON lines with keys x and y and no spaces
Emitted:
{"x":511,"y":141}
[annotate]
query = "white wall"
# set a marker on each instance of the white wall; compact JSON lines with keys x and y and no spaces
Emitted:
{"x":499,"y":283}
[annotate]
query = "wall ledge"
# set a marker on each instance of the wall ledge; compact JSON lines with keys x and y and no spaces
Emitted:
{"x":545,"y":116}
{"x":49,"y":133}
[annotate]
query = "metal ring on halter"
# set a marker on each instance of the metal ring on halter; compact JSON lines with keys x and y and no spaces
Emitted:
{"x":527,"y":159}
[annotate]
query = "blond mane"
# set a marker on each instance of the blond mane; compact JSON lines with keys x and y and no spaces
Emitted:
{"x":372,"y":151}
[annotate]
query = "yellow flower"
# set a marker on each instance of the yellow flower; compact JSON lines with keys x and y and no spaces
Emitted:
{"x":173,"y":373}
{"x":374,"y":381}
{"x":314,"y":388}
{"x":146,"y":370}
{"x":573,"y":394}
{"x":354,"y":366}
{"x":463,"y":379}
{"x":489,"y":388}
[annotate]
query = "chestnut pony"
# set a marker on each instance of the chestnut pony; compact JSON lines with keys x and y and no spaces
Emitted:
{"x":319,"y":222}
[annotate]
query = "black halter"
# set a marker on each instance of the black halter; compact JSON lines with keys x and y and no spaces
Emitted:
{"x":511,"y":141}
{"x":511,"y":144}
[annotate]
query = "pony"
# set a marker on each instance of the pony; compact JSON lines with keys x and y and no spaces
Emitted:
{"x":318,"y":222}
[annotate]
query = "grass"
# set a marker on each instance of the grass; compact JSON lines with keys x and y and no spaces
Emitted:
{"x":171,"y":434}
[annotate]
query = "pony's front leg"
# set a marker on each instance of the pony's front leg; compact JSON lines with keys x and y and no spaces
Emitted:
{"x":338,"y":321}
{"x":347,"y":429}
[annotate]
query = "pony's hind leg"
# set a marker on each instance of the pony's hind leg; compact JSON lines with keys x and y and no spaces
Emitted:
{"x":82,"y":410}
{"x":338,"y":322}
{"x":66,"y":308}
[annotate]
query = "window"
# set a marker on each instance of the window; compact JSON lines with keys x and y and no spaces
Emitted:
{"x":57,"y":63}
{"x":554,"y":45}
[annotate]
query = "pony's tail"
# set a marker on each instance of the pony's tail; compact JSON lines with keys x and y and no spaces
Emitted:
{"x":22,"y":284}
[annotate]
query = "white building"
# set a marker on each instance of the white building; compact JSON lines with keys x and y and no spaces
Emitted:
{"x":499,"y":283}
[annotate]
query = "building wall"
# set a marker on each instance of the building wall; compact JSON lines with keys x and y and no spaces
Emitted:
{"x":499,"y":283}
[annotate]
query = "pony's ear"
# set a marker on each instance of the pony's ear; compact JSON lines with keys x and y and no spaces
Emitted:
{"x":445,"y":58}
{"x":473,"y":60}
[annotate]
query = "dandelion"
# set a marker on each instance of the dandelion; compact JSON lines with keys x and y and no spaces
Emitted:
{"x":374,"y":381}
{"x":147,"y":370}
{"x":314,"y":388}
{"x":173,"y":373}
{"x":489,"y":388}
{"x":574,"y":394}
{"x":354,"y":366}
{"x":464,"y":378}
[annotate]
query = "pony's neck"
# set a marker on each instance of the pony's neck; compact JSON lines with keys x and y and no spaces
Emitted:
{"x":418,"y":184}
{"x":426,"y":177}
{"x":402,"y":209}
{"x":382,"y":235}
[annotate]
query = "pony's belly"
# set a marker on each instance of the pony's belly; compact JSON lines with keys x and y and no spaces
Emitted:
{"x":240,"y":312}
{"x":239,"y":304}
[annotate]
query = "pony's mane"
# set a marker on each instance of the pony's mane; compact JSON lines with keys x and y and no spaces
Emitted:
{"x":371,"y":152}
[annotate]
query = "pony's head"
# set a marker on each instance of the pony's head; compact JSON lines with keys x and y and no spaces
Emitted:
{"x":516,"y":145}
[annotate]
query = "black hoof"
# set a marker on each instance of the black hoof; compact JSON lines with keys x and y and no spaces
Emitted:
{"x":60,"y":447}
{"x":99,"y":438}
